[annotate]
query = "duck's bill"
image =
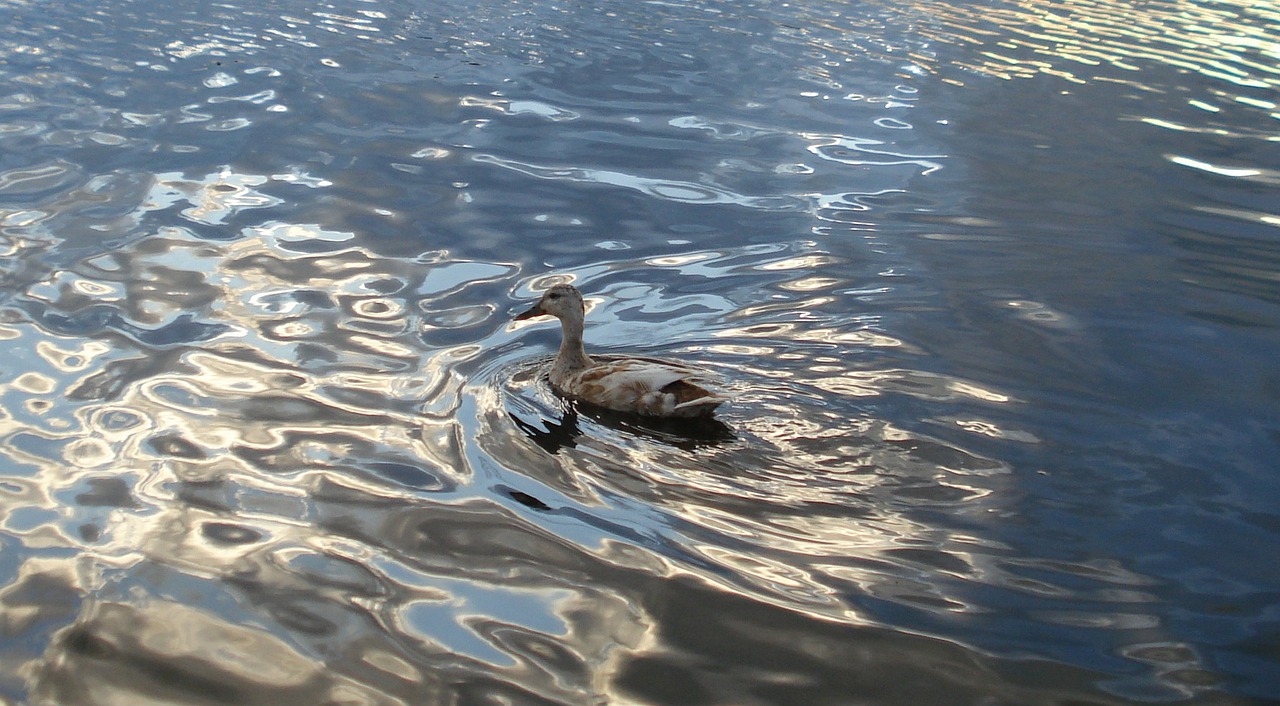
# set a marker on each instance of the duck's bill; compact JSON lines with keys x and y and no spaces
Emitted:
{"x":535,"y":311}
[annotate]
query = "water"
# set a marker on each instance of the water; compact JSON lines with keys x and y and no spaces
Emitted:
{"x":996,"y":287}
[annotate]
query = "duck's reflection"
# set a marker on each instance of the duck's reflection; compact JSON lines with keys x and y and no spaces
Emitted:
{"x":688,"y":434}
{"x":556,"y":435}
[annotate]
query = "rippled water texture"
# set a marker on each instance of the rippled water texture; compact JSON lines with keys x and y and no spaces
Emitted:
{"x":996,"y":288}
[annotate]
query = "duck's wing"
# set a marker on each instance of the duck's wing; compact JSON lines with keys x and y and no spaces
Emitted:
{"x":645,"y":387}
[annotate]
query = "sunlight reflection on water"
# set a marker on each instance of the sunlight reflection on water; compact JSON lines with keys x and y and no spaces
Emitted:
{"x":270,"y":435}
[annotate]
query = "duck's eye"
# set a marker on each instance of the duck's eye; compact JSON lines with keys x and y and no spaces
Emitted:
{"x":553,"y":295}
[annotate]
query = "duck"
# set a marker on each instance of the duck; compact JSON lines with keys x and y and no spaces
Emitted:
{"x":642,"y":386}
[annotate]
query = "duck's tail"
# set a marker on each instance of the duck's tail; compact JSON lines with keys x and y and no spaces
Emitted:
{"x":700,"y":405}
{"x":692,"y":399}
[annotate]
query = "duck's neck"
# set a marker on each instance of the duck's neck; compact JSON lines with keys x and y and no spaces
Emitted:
{"x":572,"y":355}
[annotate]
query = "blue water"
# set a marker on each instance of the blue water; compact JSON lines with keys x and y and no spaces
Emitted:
{"x":995,"y":287}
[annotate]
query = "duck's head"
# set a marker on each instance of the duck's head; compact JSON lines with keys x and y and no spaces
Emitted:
{"x":562,"y":301}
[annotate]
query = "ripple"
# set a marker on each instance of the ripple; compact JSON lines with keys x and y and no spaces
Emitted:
{"x":710,"y":487}
{"x":214,"y":198}
{"x":36,"y":183}
{"x":686,"y":192}
{"x":263,"y":404}
{"x":1223,"y":41}
{"x":857,"y":151}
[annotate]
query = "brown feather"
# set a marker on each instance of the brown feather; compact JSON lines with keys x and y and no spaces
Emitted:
{"x":635,"y":385}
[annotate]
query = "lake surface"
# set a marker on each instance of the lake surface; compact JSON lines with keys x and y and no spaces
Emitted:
{"x":995,"y":286}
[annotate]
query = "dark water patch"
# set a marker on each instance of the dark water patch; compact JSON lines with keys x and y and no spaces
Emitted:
{"x":107,"y":492}
{"x":230,"y":534}
{"x":410,"y":476}
{"x":174,"y":445}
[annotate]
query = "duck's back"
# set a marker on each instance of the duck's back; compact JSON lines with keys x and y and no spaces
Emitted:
{"x":640,"y":386}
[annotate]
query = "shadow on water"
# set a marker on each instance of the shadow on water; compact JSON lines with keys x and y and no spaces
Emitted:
{"x":686,"y":434}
